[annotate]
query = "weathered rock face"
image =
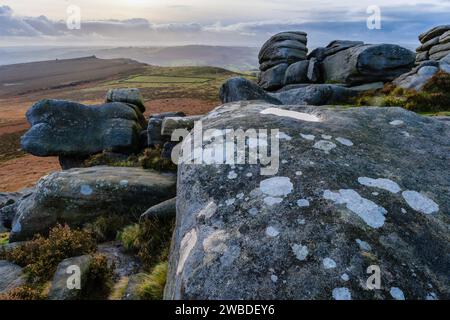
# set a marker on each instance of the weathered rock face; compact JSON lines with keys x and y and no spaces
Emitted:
{"x":11,"y":276}
{"x":170,"y":124}
{"x":241,"y":89}
{"x":79,"y":196}
{"x":64,"y":128}
{"x":8,"y":207}
{"x":128,"y":95}
{"x":332,"y":48}
{"x":354,"y":189}
{"x":367,"y":63}
{"x":163,"y":210}
{"x":315,"y":94}
{"x":434,"y":44}
{"x":277,"y":54}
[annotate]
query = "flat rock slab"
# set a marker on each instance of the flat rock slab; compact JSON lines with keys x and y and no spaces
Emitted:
{"x":79,"y":196}
{"x":64,"y":128}
{"x":355,"y":187}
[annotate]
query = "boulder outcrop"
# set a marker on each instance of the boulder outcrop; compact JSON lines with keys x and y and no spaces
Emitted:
{"x":354,"y":190}
{"x":435,"y":44}
{"x":79,"y":196}
{"x":70,"y":129}
{"x":128,"y":95}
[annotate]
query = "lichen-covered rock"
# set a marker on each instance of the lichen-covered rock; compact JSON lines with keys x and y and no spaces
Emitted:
{"x":8,"y":207}
{"x":11,"y":276}
{"x":420,"y":75}
{"x":79,"y":196}
{"x":356,"y":187}
{"x":241,"y":89}
{"x":297,"y":73}
{"x":367,"y":63}
{"x":59,"y":289}
{"x":64,"y":128}
{"x":126,"y":95}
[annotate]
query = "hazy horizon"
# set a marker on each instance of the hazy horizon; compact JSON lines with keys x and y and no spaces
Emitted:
{"x":201,"y":22}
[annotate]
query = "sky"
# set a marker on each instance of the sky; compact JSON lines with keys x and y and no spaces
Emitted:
{"x":213,"y":22}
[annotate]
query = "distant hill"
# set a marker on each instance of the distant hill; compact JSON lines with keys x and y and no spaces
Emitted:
{"x":231,"y":58}
{"x":35,"y":76}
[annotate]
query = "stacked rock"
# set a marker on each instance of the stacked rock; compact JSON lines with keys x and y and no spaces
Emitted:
{"x":277,"y":54}
{"x":435,"y":44}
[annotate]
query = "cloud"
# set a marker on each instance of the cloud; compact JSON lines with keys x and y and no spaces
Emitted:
{"x":399,"y":25}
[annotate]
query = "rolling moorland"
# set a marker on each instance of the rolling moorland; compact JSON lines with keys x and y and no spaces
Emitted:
{"x":193,"y":90}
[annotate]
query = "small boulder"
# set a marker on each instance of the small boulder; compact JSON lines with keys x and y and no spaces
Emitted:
{"x":170,"y":124}
{"x":127,"y":95}
{"x":297,"y":73}
{"x":79,"y":196}
{"x":154,"y":127}
{"x":61,"y":286}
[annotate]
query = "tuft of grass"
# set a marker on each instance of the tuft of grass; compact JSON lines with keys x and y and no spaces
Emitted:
{"x":4,"y":238}
{"x":152,"y":287}
{"x":41,"y":256}
{"x":119,"y":289}
{"x":106,"y":228}
{"x":151,"y":159}
{"x":150,"y":240}
{"x":106,"y":159}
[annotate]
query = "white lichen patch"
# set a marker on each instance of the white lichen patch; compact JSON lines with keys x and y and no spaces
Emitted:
{"x":253,"y":211}
{"x":326,"y":137}
{"x":291,"y":114}
{"x":271,"y":201}
{"x":371,"y":213}
{"x":86,"y":190}
{"x":397,"y":294}
{"x":123,"y":183}
{"x":274,"y":278}
{"x":300,"y":252}
{"x":240,"y":196}
{"x":363,"y":245}
{"x":232,"y":175}
{"x":283,"y":136}
{"x":308,"y":137}
{"x":420,"y":203}
{"x":345,"y":277}
{"x":208,"y":211}
{"x":303,"y":203}
{"x":301,"y":221}
{"x":344,"y":141}
{"x":298,"y":173}
{"x":381,"y":183}
{"x":272,"y":232}
{"x":329,"y":263}
{"x":187,"y":244}
{"x":341,"y":294}
{"x":396,"y":123}
{"x":325,"y":145}
{"x":249,"y":175}
{"x":276,"y":186}
{"x":230,"y":202}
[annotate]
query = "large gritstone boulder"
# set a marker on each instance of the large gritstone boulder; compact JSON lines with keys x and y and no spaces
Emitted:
{"x":79,"y":196}
{"x":367,"y":63}
{"x":69,"y":129}
{"x":351,"y":191}
{"x":11,"y":276}
{"x":154,"y":136}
